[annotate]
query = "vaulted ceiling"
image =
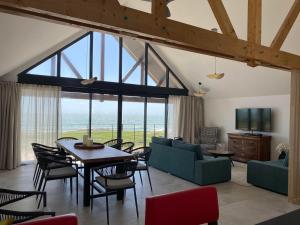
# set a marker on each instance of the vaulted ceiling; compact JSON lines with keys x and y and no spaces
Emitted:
{"x":22,"y":39}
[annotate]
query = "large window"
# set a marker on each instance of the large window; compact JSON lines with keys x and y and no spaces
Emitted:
{"x":133,"y":120}
{"x":155,"y":118}
{"x":122,"y":104}
{"x":75,"y":114}
{"x":104,"y":117}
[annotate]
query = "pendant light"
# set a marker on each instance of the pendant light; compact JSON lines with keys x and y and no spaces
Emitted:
{"x":215,"y":75}
{"x":199,"y":93}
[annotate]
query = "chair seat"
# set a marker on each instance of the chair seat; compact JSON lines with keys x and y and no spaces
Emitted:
{"x":62,"y":172}
{"x":115,"y":184}
{"x":141,"y":166}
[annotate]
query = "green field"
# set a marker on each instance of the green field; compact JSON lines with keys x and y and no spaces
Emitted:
{"x":104,"y":135}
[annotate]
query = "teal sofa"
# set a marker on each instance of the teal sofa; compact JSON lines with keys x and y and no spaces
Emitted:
{"x":186,"y":161}
{"x":271,"y":175}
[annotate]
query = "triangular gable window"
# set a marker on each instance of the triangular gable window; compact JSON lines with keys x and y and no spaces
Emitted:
{"x":47,"y":68}
{"x":98,"y":55}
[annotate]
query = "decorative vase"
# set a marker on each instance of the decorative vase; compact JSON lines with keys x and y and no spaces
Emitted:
{"x":282,"y":155}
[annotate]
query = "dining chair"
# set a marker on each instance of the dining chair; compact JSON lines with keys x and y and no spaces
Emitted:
{"x":55,"y":168}
{"x":112,"y":178}
{"x":126,"y":146}
{"x":190,"y":207}
{"x":67,"y":138}
{"x":42,"y":148}
{"x":114,"y":143}
{"x":8,"y":196}
{"x":19,"y":217}
{"x":142,"y":155}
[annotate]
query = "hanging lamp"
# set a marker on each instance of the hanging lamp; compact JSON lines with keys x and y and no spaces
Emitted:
{"x":199,"y":93}
{"x":215,"y":75}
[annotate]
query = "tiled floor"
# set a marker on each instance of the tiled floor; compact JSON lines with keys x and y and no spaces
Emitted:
{"x":240,"y":204}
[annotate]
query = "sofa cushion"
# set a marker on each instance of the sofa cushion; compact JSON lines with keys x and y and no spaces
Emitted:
{"x":189,"y":147}
{"x":286,"y":160}
{"x":162,"y":141}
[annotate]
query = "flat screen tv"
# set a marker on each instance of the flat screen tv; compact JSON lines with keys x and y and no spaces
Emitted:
{"x":254,"y":119}
{"x":242,"y":119}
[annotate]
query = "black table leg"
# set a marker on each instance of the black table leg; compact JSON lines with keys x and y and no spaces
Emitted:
{"x":86,"y":185}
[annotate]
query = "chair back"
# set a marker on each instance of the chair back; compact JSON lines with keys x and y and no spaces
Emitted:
{"x":191,"y":207}
{"x":67,"y":138}
{"x":208,"y":135}
{"x":127,"y":146}
{"x":118,"y":171}
{"x":114,"y":143}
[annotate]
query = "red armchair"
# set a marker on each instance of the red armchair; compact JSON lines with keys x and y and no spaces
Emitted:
{"x":191,"y":207}
{"x":69,"y":219}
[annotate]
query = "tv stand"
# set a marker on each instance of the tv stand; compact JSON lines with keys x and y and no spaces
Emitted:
{"x":249,"y":147}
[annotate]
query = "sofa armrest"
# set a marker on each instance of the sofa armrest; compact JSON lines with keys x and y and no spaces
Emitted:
{"x":270,"y":176}
{"x":212,"y":170}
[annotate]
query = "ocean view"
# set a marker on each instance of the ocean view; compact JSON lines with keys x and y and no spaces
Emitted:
{"x":79,"y":121}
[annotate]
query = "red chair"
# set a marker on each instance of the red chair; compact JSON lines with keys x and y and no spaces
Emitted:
{"x":69,"y":219}
{"x":191,"y":207}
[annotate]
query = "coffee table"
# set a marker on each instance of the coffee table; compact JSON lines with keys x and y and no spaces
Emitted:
{"x":217,"y":153}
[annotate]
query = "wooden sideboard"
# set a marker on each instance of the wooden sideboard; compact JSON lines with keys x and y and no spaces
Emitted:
{"x":249,"y":147}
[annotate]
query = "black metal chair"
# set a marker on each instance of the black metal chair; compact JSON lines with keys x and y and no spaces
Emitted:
{"x":126,"y":146}
{"x":114,"y":177}
{"x":67,"y":138}
{"x":142,"y":155}
{"x":8,"y":196}
{"x":43,"y":148}
{"x":114,"y":143}
{"x":54,"y":168}
{"x":19,"y":217}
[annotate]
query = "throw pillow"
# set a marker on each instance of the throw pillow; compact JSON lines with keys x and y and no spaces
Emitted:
{"x":7,"y":222}
{"x":286,"y":160}
{"x":162,"y":141}
{"x":189,"y":147}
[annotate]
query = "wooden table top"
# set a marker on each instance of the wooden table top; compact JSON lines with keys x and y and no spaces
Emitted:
{"x":106,"y":154}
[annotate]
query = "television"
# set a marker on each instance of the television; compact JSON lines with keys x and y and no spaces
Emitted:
{"x":254,"y":119}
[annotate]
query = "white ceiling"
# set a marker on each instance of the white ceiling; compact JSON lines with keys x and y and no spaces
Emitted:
{"x":23,"y":38}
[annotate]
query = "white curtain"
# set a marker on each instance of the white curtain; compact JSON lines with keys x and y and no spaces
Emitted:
{"x":186,"y":117}
{"x":40,"y":117}
{"x":173,"y":116}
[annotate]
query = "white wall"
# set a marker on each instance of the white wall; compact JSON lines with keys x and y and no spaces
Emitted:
{"x":221,"y":113}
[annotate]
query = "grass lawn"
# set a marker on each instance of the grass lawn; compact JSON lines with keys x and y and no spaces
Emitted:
{"x":105,"y":135}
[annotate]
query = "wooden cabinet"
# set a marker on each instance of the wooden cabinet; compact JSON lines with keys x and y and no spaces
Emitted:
{"x":249,"y":147}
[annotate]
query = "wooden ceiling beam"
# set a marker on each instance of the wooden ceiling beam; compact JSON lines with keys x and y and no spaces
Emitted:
{"x":222,"y":18}
{"x":159,"y":8}
{"x":110,"y":16}
{"x":254,"y":28}
{"x":286,"y":26}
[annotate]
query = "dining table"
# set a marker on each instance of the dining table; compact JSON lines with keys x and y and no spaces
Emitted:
{"x":93,"y":158}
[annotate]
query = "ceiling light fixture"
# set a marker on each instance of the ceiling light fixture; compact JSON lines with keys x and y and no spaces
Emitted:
{"x":88,"y":81}
{"x":199,"y":93}
{"x":215,"y":75}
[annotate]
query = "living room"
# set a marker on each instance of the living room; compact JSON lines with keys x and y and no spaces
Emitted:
{"x":193,"y":110}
